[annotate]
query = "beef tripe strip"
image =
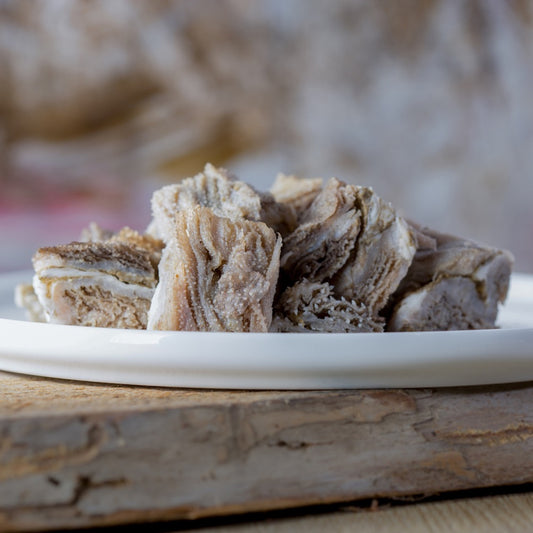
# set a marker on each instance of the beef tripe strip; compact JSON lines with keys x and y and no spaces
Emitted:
{"x":216,"y":274}
{"x":94,"y":284}
{"x":310,"y":306}
{"x":352,"y":239}
{"x":455,"y":284}
{"x":214,"y":188}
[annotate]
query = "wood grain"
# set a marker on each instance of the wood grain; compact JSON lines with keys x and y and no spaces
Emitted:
{"x":502,"y":514}
{"x":77,"y":455}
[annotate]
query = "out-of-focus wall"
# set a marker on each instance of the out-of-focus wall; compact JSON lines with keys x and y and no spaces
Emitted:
{"x":429,"y":101}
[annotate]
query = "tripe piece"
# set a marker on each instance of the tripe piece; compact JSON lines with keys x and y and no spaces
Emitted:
{"x":147,"y":242}
{"x":214,"y":188}
{"x":296,"y":193}
{"x":152,"y":245}
{"x":216,"y":274}
{"x":384,"y":250}
{"x":95,"y":233}
{"x":26,"y":299}
{"x":326,"y":236}
{"x":310,"y":306}
{"x":94,"y":284}
{"x":352,"y":239}
{"x":454,"y":284}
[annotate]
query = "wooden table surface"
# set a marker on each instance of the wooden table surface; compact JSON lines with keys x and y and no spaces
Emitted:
{"x":80,"y":455}
{"x":498,"y":514}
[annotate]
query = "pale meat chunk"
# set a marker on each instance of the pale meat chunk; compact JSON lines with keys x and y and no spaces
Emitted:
{"x":94,"y":284}
{"x":455,"y":284}
{"x":296,"y":195}
{"x":216,"y":274}
{"x":326,"y":236}
{"x":295,"y":191}
{"x":308,"y":306}
{"x":352,"y":239}
{"x":95,"y":233}
{"x":382,"y":255}
{"x":146,"y":242}
{"x":280,"y":217}
{"x":152,"y":245}
{"x":213,"y":188}
{"x":26,"y":299}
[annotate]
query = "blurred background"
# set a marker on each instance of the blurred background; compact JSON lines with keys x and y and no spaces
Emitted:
{"x":428,"y":101}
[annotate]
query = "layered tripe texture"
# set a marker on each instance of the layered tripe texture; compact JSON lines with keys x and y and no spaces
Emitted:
{"x":296,"y":192}
{"x":311,"y":306}
{"x":294,"y":195}
{"x":216,"y":274}
{"x":105,"y":284}
{"x":452,"y":284}
{"x":221,"y":192}
{"x":347,"y":255}
{"x":213,"y":188}
{"x":308,"y":256}
{"x":74,"y":284}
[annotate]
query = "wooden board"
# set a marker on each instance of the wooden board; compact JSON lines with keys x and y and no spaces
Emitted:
{"x":78,"y":455}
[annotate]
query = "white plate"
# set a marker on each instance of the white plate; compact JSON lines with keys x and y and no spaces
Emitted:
{"x":272,"y":360}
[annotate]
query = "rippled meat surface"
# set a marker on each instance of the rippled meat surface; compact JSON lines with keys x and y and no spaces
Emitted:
{"x":310,"y":306}
{"x":216,"y":274}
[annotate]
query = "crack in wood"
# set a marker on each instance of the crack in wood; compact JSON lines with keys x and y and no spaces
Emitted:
{"x":85,"y":484}
{"x":298,"y":445}
{"x":53,"y":481}
{"x":506,"y":435}
{"x":49,"y":459}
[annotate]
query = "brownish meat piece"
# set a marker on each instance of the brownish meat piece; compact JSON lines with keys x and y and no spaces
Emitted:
{"x":152,"y":245}
{"x":146,"y":242}
{"x":280,"y":217}
{"x":296,"y":194}
{"x":213,"y":188}
{"x":94,"y":284}
{"x":326,"y":236}
{"x":352,"y":239}
{"x":308,"y":306}
{"x":381,"y":257}
{"x":455,"y":284}
{"x":216,"y":274}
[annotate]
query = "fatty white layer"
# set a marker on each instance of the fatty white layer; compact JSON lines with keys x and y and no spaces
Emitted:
{"x":399,"y":229}
{"x":406,"y":245}
{"x":410,"y":305}
{"x":50,"y":284}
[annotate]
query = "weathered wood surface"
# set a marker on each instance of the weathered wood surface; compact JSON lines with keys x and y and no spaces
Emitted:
{"x":74,"y":455}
